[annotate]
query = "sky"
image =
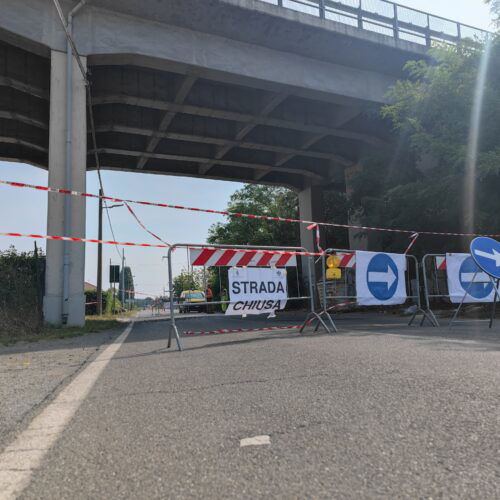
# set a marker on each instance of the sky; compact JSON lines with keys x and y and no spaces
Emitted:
{"x":24,"y":210}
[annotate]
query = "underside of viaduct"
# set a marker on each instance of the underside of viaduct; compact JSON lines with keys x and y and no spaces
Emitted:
{"x":160,"y":122}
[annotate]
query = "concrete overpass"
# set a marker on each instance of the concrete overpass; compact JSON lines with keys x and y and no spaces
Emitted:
{"x":276,"y":91}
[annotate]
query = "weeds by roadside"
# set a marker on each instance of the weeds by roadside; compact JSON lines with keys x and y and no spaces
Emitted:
{"x":93,"y":324}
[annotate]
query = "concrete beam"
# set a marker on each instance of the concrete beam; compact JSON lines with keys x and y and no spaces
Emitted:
{"x":344,"y":116}
{"x":235,"y":116}
{"x":223,"y":142}
{"x":21,"y":142}
{"x":270,"y":104}
{"x":181,"y":95}
{"x":281,"y":182}
{"x":19,"y":117}
{"x":306,"y":143}
{"x":208,"y":161}
{"x":23,"y":87}
{"x":104,"y":32}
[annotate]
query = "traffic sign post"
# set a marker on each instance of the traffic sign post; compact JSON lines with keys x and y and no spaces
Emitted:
{"x":482,"y":273}
{"x":486,"y":253}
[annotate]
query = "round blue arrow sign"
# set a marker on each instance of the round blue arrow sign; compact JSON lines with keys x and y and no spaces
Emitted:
{"x":382,"y":277}
{"x":481,"y":287}
{"x":486,"y":254}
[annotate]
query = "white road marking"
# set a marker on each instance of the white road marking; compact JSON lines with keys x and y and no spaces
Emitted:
{"x":255,"y":441}
{"x":21,"y":458}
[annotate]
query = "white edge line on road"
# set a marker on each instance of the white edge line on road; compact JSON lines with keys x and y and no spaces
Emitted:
{"x":22,"y":457}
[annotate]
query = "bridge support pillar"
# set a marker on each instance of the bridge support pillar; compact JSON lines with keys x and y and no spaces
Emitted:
{"x":358,"y":239}
{"x":310,"y":208}
{"x":64,"y":301}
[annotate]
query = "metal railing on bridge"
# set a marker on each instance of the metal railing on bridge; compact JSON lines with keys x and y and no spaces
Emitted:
{"x":388,"y":18}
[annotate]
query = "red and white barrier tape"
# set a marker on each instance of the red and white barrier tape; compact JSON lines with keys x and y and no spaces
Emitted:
{"x":347,"y":260}
{"x":149,"y":245}
{"x":312,"y":227}
{"x":234,"y":214}
{"x":208,"y":257}
{"x":242,"y":330}
{"x":441,"y":263}
{"x":413,"y":238}
{"x":82,"y":240}
{"x":143,"y":226}
{"x":266,"y":329}
{"x":341,"y":304}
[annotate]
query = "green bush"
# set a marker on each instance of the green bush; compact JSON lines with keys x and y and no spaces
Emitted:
{"x":107,"y":298}
{"x":91,"y":302}
{"x":21,"y":292}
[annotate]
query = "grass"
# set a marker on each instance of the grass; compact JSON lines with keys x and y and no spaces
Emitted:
{"x":93,"y":324}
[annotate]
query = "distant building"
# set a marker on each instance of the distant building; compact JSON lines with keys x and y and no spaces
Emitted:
{"x":89,"y":287}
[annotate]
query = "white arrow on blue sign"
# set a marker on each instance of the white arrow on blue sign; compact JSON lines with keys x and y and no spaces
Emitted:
{"x":486,"y":254}
{"x":382,"y":277}
{"x":476,"y":283}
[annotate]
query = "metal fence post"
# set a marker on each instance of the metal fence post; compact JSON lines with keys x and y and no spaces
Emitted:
{"x":428,"y":39}
{"x":311,"y":284}
{"x":322,"y":12}
{"x":173,"y":326}
{"x":416,"y":297}
{"x":395,"y":22}
{"x":360,"y":15}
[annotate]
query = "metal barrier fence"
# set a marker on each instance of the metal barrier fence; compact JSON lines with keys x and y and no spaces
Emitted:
{"x":387,"y":18}
{"x":345,"y":289}
{"x":435,"y":282}
{"x":249,"y":253}
{"x":435,"y":278}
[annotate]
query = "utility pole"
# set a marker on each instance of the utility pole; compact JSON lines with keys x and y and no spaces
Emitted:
{"x":99,"y":257}
{"x":123,"y":278}
{"x":114,"y":291}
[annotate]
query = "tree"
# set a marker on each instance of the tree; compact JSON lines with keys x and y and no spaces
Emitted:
{"x":129,"y":284}
{"x":192,"y":280}
{"x":260,"y":200}
{"x":495,"y":9}
{"x":419,"y":183}
{"x":111,"y":304}
{"x":277,"y":202}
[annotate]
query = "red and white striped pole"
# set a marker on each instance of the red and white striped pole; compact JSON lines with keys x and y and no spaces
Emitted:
{"x":313,"y":227}
{"x":413,"y":239}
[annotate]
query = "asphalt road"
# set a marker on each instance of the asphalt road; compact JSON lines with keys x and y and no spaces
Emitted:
{"x":377,"y":411}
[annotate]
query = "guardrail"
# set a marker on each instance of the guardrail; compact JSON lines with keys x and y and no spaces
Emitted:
{"x":387,"y":18}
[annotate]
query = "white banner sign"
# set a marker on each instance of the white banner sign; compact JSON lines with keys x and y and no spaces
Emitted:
{"x":256,"y":291}
{"x":380,"y":278}
{"x":462,"y":278}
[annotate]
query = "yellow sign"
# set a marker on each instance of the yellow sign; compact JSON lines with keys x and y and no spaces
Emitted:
{"x":333,"y":261}
{"x":333,"y":273}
